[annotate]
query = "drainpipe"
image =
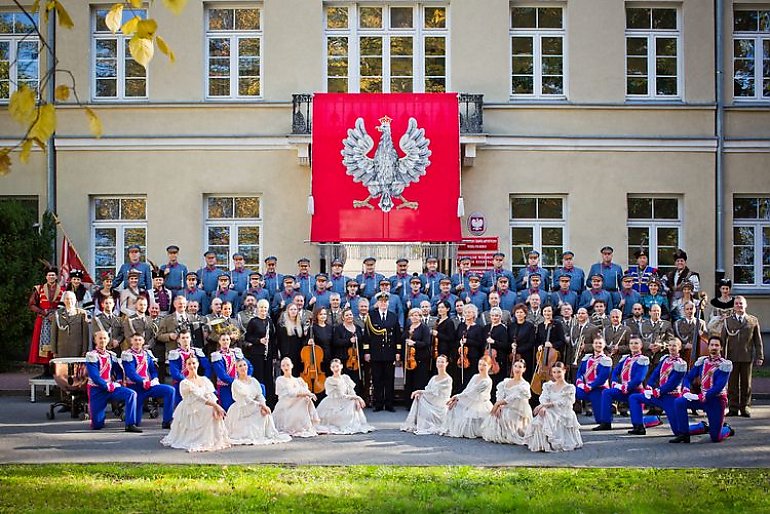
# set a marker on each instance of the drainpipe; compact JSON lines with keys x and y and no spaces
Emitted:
{"x":720,"y":115}
{"x":50,"y":98}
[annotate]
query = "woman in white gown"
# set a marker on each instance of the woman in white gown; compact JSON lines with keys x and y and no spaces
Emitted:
{"x":198,"y":424}
{"x":342,"y":411}
{"x":429,"y":408}
{"x":555,"y":426}
{"x":469,"y":409}
{"x":249,"y":419}
{"x":511,"y":414}
{"x":294,"y":413}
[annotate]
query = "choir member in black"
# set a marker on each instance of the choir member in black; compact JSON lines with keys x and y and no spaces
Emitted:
{"x":261,"y":348}
{"x":382,"y":347}
{"x":348,"y":337}
{"x":417,"y":336}
{"x":446,"y":332}
{"x":550,"y":334}
{"x":497,"y":339}
{"x":292,"y":336}
{"x":471,"y":337}
{"x":522,"y":337}
{"x":323,"y":333}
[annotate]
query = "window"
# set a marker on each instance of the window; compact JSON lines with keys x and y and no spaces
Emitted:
{"x":751,"y":54}
{"x":234,"y":224}
{"x":116,"y":75}
{"x":751,"y":241}
{"x":652,"y":53}
{"x":116,"y":224}
{"x":234,"y":46}
{"x":538,"y":223}
{"x":386,"y":48}
{"x":654,"y":223}
{"x":537,"y":52}
{"x":19,"y":53}
{"x":27,"y":203}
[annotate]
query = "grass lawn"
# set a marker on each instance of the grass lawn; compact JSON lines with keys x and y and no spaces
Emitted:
{"x":381,"y":489}
{"x":763,"y":372}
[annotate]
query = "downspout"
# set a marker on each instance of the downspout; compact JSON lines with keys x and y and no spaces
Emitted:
{"x":719,"y":129}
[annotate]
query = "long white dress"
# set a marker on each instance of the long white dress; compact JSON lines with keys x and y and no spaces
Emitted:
{"x":559,"y":429}
{"x":245,"y":422}
{"x":339,"y":411}
{"x":194,"y":427}
{"x":429,"y":411}
{"x":470,"y":411}
{"x":294,"y":414}
{"x":515,"y":415}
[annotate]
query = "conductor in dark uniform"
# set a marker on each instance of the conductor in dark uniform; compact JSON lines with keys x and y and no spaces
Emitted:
{"x":382,"y":348}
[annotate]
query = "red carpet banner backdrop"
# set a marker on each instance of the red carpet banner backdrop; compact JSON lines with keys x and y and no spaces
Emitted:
{"x":386,"y":167}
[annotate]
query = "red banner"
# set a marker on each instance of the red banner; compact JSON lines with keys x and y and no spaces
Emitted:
{"x":70,"y":260}
{"x":480,"y":251}
{"x":386,"y":167}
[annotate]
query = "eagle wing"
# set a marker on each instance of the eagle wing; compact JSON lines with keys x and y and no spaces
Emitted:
{"x":412,"y":165}
{"x":354,"y":152}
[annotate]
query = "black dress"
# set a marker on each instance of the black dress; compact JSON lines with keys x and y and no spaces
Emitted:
{"x":290,"y":343}
{"x":322,"y":336}
{"x":523,"y":334}
{"x":502,"y":347}
{"x":417,"y":378}
{"x":262,"y":357}
{"x":341,"y":342}
{"x":475,"y":341}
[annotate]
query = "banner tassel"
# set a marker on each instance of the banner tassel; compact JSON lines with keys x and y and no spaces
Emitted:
{"x":460,"y":207}
{"x":310,"y":205}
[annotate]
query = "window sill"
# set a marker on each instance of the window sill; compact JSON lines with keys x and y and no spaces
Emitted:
{"x":751,"y":291}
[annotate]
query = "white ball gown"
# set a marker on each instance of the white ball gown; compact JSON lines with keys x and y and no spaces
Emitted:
{"x":559,"y":429}
{"x":429,"y":411}
{"x":339,"y":411}
{"x":294,"y":414}
{"x":194,"y":427}
{"x":245,"y":422}
{"x":472,"y":408}
{"x":515,"y":415}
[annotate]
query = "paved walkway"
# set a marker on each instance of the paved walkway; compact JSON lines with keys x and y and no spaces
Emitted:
{"x":26,"y":436}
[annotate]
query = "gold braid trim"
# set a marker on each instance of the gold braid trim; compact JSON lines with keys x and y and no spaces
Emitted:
{"x":376,"y":331}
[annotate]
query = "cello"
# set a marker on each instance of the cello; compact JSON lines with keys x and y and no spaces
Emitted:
{"x":311,"y":356}
{"x":546,"y":358}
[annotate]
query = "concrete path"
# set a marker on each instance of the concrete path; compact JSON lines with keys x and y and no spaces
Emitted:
{"x":26,"y":436}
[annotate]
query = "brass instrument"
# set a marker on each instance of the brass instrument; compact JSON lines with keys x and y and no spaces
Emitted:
{"x":579,"y":351}
{"x":221,"y":325}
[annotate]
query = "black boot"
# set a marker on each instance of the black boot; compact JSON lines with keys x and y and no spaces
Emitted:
{"x":602,"y":426}
{"x":680,"y":439}
{"x":638,"y":430}
{"x":133,"y":428}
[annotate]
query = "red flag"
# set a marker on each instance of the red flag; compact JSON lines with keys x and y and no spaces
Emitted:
{"x":70,"y":260}
{"x":386,"y":167}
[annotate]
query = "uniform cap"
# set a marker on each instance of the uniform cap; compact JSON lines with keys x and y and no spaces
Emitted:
{"x":172,"y":249}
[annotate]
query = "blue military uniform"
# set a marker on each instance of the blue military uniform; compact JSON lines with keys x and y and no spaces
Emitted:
{"x":490,"y":277}
{"x":103,"y":372}
{"x":508,"y":299}
{"x":522,"y":277}
{"x":223,"y":364}
{"x":590,"y":295}
{"x":449,"y":297}
{"x":239,"y":278}
{"x":227,"y":295}
{"x":207,"y":277}
{"x":177,"y":359}
{"x":413,"y":301}
{"x":611,"y":274}
{"x":663,"y":388}
{"x":282,"y":297}
{"x":145,"y":275}
{"x":430,"y":281}
{"x":369,"y":283}
{"x":175,"y":276}
{"x":338,"y":283}
{"x":577,"y":278}
{"x":142,"y":376}
{"x":322,"y":299}
{"x":627,"y":378}
{"x":477,"y":298}
{"x":196,"y":294}
{"x":625,"y":301}
{"x":524,"y":295}
{"x":591,"y":380}
{"x":273,"y":280}
{"x":560,"y":297}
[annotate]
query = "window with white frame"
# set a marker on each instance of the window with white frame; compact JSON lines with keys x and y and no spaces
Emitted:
{"x":751,"y":54}
{"x":538,"y":223}
{"x":234,"y":52}
{"x":653,"y":50}
{"x":386,"y":48}
{"x":19,"y":53}
{"x":537,"y":52}
{"x":751,"y":241}
{"x":116,"y":75}
{"x":655,"y":224}
{"x":116,"y":224}
{"x":234,"y":225}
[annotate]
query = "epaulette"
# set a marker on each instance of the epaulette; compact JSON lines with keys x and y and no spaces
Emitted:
{"x":726,"y":366}
{"x":150,"y":354}
{"x":643,"y":360}
{"x":198,"y":352}
{"x":216,"y":356}
{"x":173,"y":355}
{"x":605,"y":360}
{"x":700,"y":361}
{"x":112,"y":354}
{"x":127,"y":356}
{"x":625,"y":356}
{"x":680,"y":366}
{"x":237,"y":352}
{"x":91,"y":356}
{"x":586,"y":357}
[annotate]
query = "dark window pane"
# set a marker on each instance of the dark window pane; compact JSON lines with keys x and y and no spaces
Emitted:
{"x":743,"y":255}
{"x":664,"y":18}
{"x":106,"y":88}
{"x":135,"y":236}
{"x":522,"y":236}
{"x":247,"y":207}
{"x":668,"y":237}
{"x":401,"y":17}
{"x":665,"y":46}
{"x":639,"y":208}
{"x":220,"y":207}
{"x":553,"y":86}
{"x":220,"y":19}
{"x":435,"y":46}
{"x":337,"y":85}
{"x":551,"y":45}
{"x":371,"y":45}
{"x":550,"y":208}
{"x":435,"y":85}
{"x":105,"y":237}
{"x":523,"y":65}
{"x":219,"y":236}
{"x":6,"y":23}
{"x":522,"y":45}
{"x":524,"y":208}
{"x":247,"y":19}
{"x":248,"y":235}
{"x":636,"y":66}
{"x":743,"y":236}
{"x":666,"y":86}
{"x":136,"y":87}
{"x":764,"y":208}
{"x":523,"y":18}
{"x":552,"y":236}
{"x":636,"y":46}
{"x":435,"y":17}
{"x":764,"y":21}
{"x":745,"y":208}
{"x":337,"y":68}
{"x":522,"y":85}
{"x":371,"y":85}
{"x":133,"y":209}
{"x":552,"y":66}
{"x":549,"y":18}
{"x":666,"y":208}
{"x":401,"y":85}
{"x":401,"y":67}
{"x":637,"y":18}
{"x":337,"y":46}
{"x":336,"y":17}
{"x":106,"y":208}
{"x":743,"y":274}
{"x":219,"y":47}
{"x":105,"y":257}
{"x":401,"y":45}
{"x":637,"y":236}
{"x":745,"y":21}
{"x":248,"y":47}
{"x":219,"y":87}
{"x":665,"y":66}
{"x":248,"y":67}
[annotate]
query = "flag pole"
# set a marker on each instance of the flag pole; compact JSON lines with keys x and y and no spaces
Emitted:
{"x":70,"y":245}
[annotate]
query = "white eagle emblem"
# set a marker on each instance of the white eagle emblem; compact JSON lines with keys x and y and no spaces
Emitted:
{"x":386,"y":175}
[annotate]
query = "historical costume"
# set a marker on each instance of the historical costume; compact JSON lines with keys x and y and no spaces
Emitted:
{"x":245,"y":421}
{"x":294,"y":413}
{"x":471,"y":409}
{"x":558,"y":428}
{"x":43,"y":302}
{"x":429,"y":410}
{"x":515,"y":415}
{"x":340,"y":412}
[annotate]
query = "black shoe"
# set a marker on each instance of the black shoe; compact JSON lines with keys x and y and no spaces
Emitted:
{"x":732,"y":413}
{"x":589,"y":412}
{"x":623,"y":413}
{"x":390,"y":408}
{"x":378,"y":409}
{"x":745,"y":413}
{"x":680,"y":439}
{"x":638,"y":430}
{"x":705,"y":428}
{"x":166,"y":425}
{"x":694,"y":412}
{"x":732,"y":430}
{"x":602,"y":426}
{"x":133,"y":428}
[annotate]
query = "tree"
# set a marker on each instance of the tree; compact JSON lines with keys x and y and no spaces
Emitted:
{"x":38,"y":116}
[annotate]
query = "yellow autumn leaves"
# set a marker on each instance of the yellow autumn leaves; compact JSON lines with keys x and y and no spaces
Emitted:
{"x":39,"y":117}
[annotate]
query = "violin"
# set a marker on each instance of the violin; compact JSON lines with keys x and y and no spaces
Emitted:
{"x":411,"y":354}
{"x":546,"y":358}
{"x":462,"y":360}
{"x":492,"y":354}
{"x":312,"y":355}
